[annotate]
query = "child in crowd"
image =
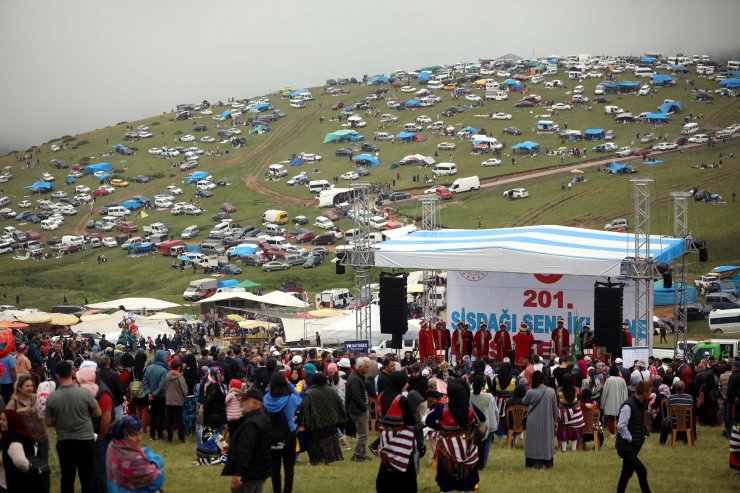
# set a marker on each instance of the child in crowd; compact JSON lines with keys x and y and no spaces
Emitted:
{"x":233,"y":405}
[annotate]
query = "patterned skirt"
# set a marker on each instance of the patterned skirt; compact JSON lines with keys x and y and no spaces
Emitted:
{"x":323,"y":446}
{"x":735,"y":447}
{"x":570,"y":424}
{"x":190,"y":414}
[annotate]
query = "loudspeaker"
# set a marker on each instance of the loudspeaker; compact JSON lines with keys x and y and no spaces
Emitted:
{"x":703,"y":254}
{"x":339,"y":267}
{"x":608,"y":317}
{"x":392,"y":302}
{"x":668,"y":280}
{"x":396,"y":341}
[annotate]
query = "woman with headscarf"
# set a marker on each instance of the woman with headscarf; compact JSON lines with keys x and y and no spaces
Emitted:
{"x":707,"y":412}
{"x":16,"y":446}
{"x":138,"y":397}
{"x":132,"y":469}
{"x":214,"y":402}
{"x":656,"y":406}
{"x":570,"y":426}
{"x":397,"y":470}
{"x":542,"y":414}
{"x":190,"y":409}
{"x":503,"y":388}
{"x":484,"y":403}
{"x":323,"y":412}
{"x":516,"y":400}
{"x":456,"y":453}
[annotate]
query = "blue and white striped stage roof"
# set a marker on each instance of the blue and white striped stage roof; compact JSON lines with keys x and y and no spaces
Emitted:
{"x":531,"y":249}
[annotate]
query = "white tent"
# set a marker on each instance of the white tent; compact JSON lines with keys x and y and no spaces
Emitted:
{"x":134,"y":304}
{"x":533,"y":249}
{"x":109,"y":325}
{"x":278,"y":298}
{"x":229,"y":296}
{"x":392,"y":234}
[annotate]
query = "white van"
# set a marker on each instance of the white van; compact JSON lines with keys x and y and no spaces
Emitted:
{"x":378,"y":222}
{"x":323,"y":223}
{"x":305,"y":96}
{"x":644,"y":72}
{"x":277,"y":242}
{"x":465,"y":184}
{"x":690,"y":128}
{"x":411,"y":127}
{"x":724,"y":321}
{"x":190,"y":232}
{"x":73,"y":240}
{"x":274,"y":229}
{"x":277,"y":171}
{"x":492,"y":85}
{"x":536,"y":79}
{"x":316,"y":186}
{"x":435,"y":85}
{"x":644,"y":90}
{"x":297,"y":103}
{"x":118,"y":211}
{"x":445,"y":169}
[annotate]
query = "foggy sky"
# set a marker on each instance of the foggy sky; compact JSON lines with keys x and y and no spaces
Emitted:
{"x":76,"y":65}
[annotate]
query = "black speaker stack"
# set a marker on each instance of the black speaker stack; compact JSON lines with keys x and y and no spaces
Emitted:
{"x":393,"y":307}
{"x":608,"y":316}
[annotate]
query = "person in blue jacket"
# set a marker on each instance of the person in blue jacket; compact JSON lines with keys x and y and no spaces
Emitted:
{"x":153,"y":385}
{"x":281,"y":402}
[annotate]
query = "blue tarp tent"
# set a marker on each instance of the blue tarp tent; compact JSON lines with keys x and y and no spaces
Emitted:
{"x":406,"y":135}
{"x":226,"y":114}
{"x":424,"y":76}
{"x":367,"y":158}
{"x":511,"y":82}
{"x":516,"y":88}
{"x":142,"y":198}
{"x":144,"y":247}
{"x":131,"y":204}
{"x":616,"y":167}
{"x":730,"y":83}
{"x":295,"y":93}
{"x":244,"y":250}
{"x":674,"y":107}
{"x":649,"y":60}
{"x":528,"y":145}
{"x":196,"y":176}
{"x":664,"y":296}
{"x":94,"y":168}
{"x":594,"y":134}
{"x":412,"y":102}
{"x":663,"y":80}
{"x":70,"y":180}
{"x":652,"y":162}
{"x":471,"y":130}
{"x":379,"y":79}
{"x":41,"y":186}
{"x":261,"y":106}
{"x":725,"y":268}
{"x":296,"y":162}
{"x":226,"y":283}
{"x":658,"y":117}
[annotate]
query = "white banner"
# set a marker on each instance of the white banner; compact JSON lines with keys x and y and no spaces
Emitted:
{"x":537,"y":299}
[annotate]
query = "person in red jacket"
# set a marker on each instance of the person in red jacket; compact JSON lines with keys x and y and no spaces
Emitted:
{"x":426,"y":341}
{"x":461,"y":342}
{"x":482,"y":341}
{"x":441,"y":338}
{"x":502,"y":343}
{"x":522,"y":345}
{"x":560,"y":339}
{"x":626,"y":335}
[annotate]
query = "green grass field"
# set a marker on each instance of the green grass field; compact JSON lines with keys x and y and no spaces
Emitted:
{"x":591,"y":204}
{"x":703,"y":467}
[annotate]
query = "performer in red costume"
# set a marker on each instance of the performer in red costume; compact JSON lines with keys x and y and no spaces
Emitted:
{"x":522,"y":345}
{"x":502,"y":343}
{"x":482,"y":341}
{"x":560,"y":339}
{"x":441,"y":338}
{"x":626,"y":335}
{"x":461,"y":342}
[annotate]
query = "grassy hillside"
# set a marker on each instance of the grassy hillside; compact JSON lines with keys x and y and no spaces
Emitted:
{"x":590,"y":204}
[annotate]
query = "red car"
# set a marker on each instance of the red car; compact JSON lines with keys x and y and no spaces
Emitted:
{"x":443,"y":193}
{"x":78,"y":167}
{"x":91,"y":236}
{"x":32,"y":235}
{"x":100,"y":192}
{"x":306,"y":236}
{"x":227,"y":207}
{"x":682,"y":141}
{"x":338,"y":105}
{"x":70,"y":249}
{"x":331,"y":215}
{"x":643,"y":152}
{"x":127,"y":227}
{"x":324,"y":239}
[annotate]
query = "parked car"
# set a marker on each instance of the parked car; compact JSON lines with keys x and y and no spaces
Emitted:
{"x":512,"y":131}
{"x":491,"y":162}
{"x":395,"y":196}
{"x":324,"y":239}
{"x":140,"y":179}
{"x":516,"y":193}
{"x":446,"y":146}
{"x":228,"y":207}
{"x":275,"y":265}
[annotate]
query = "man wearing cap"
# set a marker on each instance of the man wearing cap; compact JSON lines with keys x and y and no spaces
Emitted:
{"x":626,"y":339}
{"x":461,"y":342}
{"x":426,"y":340}
{"x":560,"y":339}
{"x":640,"y":373}
{"x":502,"y":343}
{"x":523,"y":341}
{"x":482,"y":341}
{"x":586,"y":338}
{"x":249,"y":460}
{"x":442,"y":338}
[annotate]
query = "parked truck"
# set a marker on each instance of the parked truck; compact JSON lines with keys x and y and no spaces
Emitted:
{"x":200,"y":289}
{"x":333,"y":298}
{"x":156,"y":228}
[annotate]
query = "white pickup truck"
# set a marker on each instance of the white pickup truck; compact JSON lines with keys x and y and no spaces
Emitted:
{"x":156,"y":228}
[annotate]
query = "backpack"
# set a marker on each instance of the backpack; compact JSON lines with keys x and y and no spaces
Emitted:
{"x":279,"y":430}
{"x":136,"y":389}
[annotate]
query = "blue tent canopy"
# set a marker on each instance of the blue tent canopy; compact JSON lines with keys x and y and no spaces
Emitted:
{"x":104,"y":176}
{"x":469,"y":129}
{"x":226,"y":114}
{"x":657,"y":116}
{"x":628,"y":84}
{"x":244,"y":250}
{"x":648,"y":59}
{"x":616,"y":167}
{"x":144,"y":246}
{"x":424,"y":76}
{"x":227,"y":283}
{"x":735,"y":73}
{"x":183,"y":258}
{"x":196,"y":176}
{"x":652,"y":162}
{"x":70,"y":180}
{"x":663,"y":296}
{"x":41,"y":186}
{"x":406,"y":135}
{"x":730,"y":83}
{"x":371,"y":160}
{"x":412,"y":102}
{"x":141,"y":198}
{"x":94,"y":168}
{"x":511,"y":82}
{"x":528,"y":145}
{"x":131,"y":204}
{"x":674,"y":107}
{"x":725,"y":268}
{"x":118,"y":146}
{"x":261,"y":106}
{"x":516,"y":88}
{"x":296,"y":162}
{"x":297,"y":92}
{"x":662,"y":80}
{"x":594,"y":133}
{"x":380,"y":79}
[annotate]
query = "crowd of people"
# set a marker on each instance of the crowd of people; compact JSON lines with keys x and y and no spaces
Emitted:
{"x":255,"y":409}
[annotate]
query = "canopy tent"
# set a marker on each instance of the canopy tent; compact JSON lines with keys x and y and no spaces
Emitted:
{"x":164,"y":316}
{"x":594,"y":134}
{"x":41,"y":186}
{"x":339,"y":136}
{"x":366,"y":159}
{"x":661,"y":117}
{"x":412,"y":103}
{"x":730,"y":83}
{"x":295,"y":93}
{"x":534,"y":249}
{"x":424,"y":76}
{"x":244,"y":250}
{"x":226,"y":114}
{"x":247,"y":284}
{"x":663,"y":296}
{"x":527,"y":146}
{"x":11,"y":324}
{"x":134,"y":304}
{"x":516,"y":88}
{"x":227,"y":283}
{"x":726,"y":268}
{"x":94,"y":168}
{"x":261,"y":106}
{"x":614,"y":167}
{"x":652,"y":162}
{"x":275,"y":298}
{"x":230,"y":296}
{"x":649,"y":60}
{"x":131,"y":204}
{"x":254,"y":324}
{"x":279,"y":298}
{"x":511,"y":82}
{"x":196,"y":176}
{"x":663,"y":80}
{"x":674,"y":107}
{"x":379,"y":79}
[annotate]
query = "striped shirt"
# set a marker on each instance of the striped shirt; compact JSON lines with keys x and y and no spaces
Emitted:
{"x":680,"y":400}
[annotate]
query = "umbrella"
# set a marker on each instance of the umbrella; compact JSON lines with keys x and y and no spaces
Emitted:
{"x":35,"y":318}
{"x":235,"y":318}
{"x":11,"y":324}
{"x":576,"y":171}
{"x":251,"y":324}
{"x":164,"y":316}
{"x":63,"y":319}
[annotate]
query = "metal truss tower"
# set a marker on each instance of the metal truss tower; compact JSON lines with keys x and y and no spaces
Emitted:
{"x":680,"y":275}
{"x":429,"y":222}
{"x":362,"y":258}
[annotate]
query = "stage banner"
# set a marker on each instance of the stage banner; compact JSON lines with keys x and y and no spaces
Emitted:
{"x":537,"y":299}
